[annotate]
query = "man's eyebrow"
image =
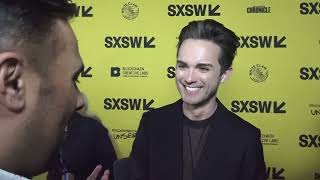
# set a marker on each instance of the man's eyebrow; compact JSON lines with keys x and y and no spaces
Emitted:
{"x":180,"y":62}
{"x":204,"y":65}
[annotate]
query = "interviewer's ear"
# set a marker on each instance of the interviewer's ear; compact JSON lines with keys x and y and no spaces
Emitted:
{"x":225,"y":76}
{"x":11,"y":83}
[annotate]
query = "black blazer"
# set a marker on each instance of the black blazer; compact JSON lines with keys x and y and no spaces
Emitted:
{"x":233,"y":149}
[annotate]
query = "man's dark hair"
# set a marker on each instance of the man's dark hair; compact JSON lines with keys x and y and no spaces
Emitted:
{"x":28,"y":24}
{"x":213,"y":31}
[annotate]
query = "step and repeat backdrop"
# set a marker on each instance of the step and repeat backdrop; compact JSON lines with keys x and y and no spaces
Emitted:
{"x":129,"y":52}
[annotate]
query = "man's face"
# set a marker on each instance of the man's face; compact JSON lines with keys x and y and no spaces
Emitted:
{"x":58,"y":97}
{"x":198,"y":72}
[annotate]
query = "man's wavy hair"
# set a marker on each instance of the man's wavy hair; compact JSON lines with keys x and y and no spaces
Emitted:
{"x":213,"y":31}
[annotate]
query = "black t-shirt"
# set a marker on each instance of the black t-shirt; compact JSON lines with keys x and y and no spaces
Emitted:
{"x":194,"y":137}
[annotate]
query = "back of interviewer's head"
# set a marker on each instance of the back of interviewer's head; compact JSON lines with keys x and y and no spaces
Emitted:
{"x":28,"y":24}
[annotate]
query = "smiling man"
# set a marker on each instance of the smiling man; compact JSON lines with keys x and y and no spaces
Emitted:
{"x":197,"y":138}
{"x":39,"y":66}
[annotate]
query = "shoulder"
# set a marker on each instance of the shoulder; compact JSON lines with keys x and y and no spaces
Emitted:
{"x":236,"y":125}
{"x":86,"y":124}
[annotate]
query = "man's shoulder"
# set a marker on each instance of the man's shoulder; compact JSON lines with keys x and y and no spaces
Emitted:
{"x":237,"y":124}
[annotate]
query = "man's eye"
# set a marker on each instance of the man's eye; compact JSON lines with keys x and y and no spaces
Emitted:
{"x":181,"y":66}
{"x":204,"y":69}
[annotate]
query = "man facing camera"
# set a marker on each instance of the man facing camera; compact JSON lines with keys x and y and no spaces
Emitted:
{"x":39,"y":66}
{"x":197,"y":138}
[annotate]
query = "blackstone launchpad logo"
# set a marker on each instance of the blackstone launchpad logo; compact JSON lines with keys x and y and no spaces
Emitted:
{"x":269,"y":139}
{"x":135,"y":72}
{"x":130,"y":11}
{"x":258,"y":73}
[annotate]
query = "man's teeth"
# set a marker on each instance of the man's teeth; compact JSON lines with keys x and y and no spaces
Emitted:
{"x":192,"y":88}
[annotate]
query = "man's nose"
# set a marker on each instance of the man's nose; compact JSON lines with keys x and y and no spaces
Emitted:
{"x":191,"y":76}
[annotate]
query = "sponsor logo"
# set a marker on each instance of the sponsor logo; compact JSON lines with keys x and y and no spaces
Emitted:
{"x":308,"y":8}
{"x":193,"y":10}
{"x":123,"y":133}
{"x":171,"y":72}
{"x":136,"y":72}
{"x":258,"y":107}
{"x":258,"y":73}
{"x":129,"y":42}
{"x":259,"y":9}
{"x":83,"y":11}
{"x":127,"y":104}
{"x":310,"y":73}
{"x":309,"y":141}
{"x":85,"y":72}
{"x":130,"y":11}
{"x":314,"y":109}
{"x":262,"y":41}
{"x":275,"y":173}
{"x":269,"y":139}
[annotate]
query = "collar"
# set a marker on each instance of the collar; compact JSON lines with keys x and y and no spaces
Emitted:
{"x":4,"y":175}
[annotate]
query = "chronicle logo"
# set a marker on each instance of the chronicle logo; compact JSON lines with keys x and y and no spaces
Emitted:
{"x":314,"y":109}
{"x":259,"y":9}
{"x":123,"y":133}
{"x":258,"y":73}
{"x":130,"y":11}
{"x":269,"y":139}
{"x":135,"y":72}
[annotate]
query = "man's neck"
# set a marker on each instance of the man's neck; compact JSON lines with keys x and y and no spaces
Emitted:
{"x":200,"y":112}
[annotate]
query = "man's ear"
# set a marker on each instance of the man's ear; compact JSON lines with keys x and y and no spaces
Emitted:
{"x":11,"y":83}
{"x":225,"y":76}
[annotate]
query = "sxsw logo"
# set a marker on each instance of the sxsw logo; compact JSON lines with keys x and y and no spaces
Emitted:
{"x":193,"y":10}
{"x":262,"y":41}
{"x":308,"y":8}
{"x":127,"y":104}
{"x":129,"y":42}
{"x":171,"y":72}
{"x":310,"y":73}
{"x":84,"y":11}
{"x":308,"y":140}
{"x":275,"y":173}
{"x":258,"y":107}
{"x":85,"y":72}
